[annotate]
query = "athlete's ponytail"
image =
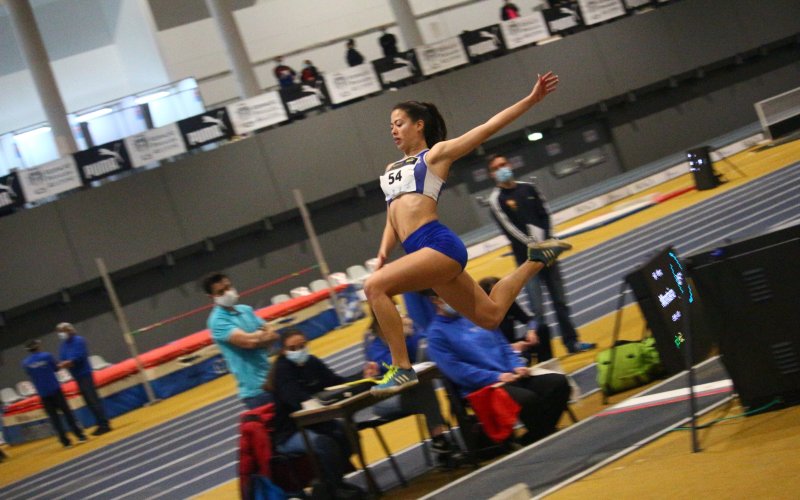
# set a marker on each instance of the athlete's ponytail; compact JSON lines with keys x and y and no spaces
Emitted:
{"x":435,"y":129}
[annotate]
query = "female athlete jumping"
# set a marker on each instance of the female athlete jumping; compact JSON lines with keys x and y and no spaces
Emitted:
{"x":436,"y":257}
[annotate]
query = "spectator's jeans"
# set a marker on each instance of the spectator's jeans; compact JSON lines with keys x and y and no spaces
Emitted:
{"x":551,"y":278}
{"x":52,"y":405}
{"x":420,"y":399}
{"x":331,"y":448}
{"x":92,"y":399}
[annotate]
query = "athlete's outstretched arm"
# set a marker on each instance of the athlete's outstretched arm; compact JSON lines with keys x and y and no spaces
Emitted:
{"x":446,"y":152}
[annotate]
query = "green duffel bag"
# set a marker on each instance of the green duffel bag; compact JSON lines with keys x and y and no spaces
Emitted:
{"x":635,"y":364}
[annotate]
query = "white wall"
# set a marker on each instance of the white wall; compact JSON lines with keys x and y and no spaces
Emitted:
{"x":140,"y":58}
{"x":274,"y":27}
{"x":84,"y":80}
{"x":135,"y":40}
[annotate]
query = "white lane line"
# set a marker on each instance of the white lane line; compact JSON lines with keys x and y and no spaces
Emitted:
{"x":201,"y":430}
{"x":723,"y":200}
{"x":161,"y":479}
{"x":231,"y":465}
{"x":113,"y":452}
{"x":649,"y":399}
{"x":636,"y":253}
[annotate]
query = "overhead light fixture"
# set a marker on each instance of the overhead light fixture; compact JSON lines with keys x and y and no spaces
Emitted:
{"x":31,"y":133}
{"x":91,"y":115}
{"x":151,"y":97}
{"x":535,"y":136}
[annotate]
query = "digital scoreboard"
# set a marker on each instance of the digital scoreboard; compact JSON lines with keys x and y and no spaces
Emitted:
{"x":664,"y":296}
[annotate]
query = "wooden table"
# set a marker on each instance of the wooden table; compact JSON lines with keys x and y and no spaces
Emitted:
{"x":345,"y":409}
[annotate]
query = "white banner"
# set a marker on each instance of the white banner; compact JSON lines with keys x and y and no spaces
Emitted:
{"x":524,"y":30}
{"x":352,"y":83}
{"x":49,"y":179}
{"x":257,"y":112}
{"x":156,"y":144}
{"x":441,"y":56}
{"x":597,"y":11}
{"x":632,"y":4}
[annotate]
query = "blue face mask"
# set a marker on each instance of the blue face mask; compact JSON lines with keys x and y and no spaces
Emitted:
{"x":504,"y":174}
{"x":298,"y":357}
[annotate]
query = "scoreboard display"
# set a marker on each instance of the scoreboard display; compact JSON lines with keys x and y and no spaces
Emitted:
{"x":664,"y":296}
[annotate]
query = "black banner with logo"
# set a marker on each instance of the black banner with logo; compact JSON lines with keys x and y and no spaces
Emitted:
{"x":10,"y":194}
{"x":563,"y":17}
{"x":209,"y":127}
{"x":102,"y":161}
{"x":397,"y":70}
{"x":302,"y":97}
{"x":484,"y":43}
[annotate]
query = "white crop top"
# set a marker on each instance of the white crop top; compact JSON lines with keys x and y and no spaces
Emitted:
{"x":411,"y":175}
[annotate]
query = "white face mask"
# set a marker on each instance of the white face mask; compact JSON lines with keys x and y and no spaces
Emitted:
{"x":227,"y":299}
{"x":298,"y":357}
{"x":63,"y":335}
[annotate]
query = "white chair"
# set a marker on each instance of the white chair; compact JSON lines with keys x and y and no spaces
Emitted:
{"x":300,"y":291}
{"x":338,"y":278}
{"x":26,"y":388}
{"x":277,"y":299}
{"x":318,"y":285}
{"x":371,"y":264}
{"x":9,"y":396}
{"x":357,"y":274}
{"x":97,"y":362}
{"x":63,"y":376}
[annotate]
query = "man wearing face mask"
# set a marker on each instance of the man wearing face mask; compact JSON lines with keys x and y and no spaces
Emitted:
{"x":520,"y":211}
{"x":74,"y":355}
{"x":243,"y":339}
{"x":474,"y":358}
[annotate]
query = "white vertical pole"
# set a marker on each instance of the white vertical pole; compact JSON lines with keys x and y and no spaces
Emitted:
{"x":126,"y":331}
{"x":323,"y":265}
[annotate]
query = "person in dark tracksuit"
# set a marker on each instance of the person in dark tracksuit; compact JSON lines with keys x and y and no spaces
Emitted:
{"x":74,"y":356}
{"x":520,"y":211}
{"x":41,"y":368}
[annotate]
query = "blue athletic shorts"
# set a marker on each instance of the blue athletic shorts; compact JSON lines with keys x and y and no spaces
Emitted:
{"x":439,"y":237}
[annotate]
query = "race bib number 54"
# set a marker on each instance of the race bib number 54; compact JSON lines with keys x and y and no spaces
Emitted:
{"x":398,"y":181}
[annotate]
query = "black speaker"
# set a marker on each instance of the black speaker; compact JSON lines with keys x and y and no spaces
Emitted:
{"x":750,"y":290}
{"x":700,"y":165}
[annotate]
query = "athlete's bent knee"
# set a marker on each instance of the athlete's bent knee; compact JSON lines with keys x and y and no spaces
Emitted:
{"x":374,"y":287}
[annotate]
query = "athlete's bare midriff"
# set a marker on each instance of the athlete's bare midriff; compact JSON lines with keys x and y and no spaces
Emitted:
{"x":409,"y":212}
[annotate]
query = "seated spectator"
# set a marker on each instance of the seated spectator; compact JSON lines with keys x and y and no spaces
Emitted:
{"x":516,"y":314}
{"x":295,"y":378}
{"x":474,"y":358}
{"x":420,"y":399}
{"x":309,"y":74}
{"x":354,"y":57}
{"x":283,"y":73}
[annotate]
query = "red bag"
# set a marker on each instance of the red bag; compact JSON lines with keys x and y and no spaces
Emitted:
{"x":496,"y":411}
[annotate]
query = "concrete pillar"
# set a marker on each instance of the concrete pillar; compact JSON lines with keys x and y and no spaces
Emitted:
{"x":33,"y":51}
{"x":222,"y":12}
{"x":406,"y":22}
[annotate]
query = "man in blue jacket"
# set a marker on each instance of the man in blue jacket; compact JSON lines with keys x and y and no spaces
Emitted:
{"x":41,"y":368}
{"x":473,"y":358}
{"x":74,"y":355}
